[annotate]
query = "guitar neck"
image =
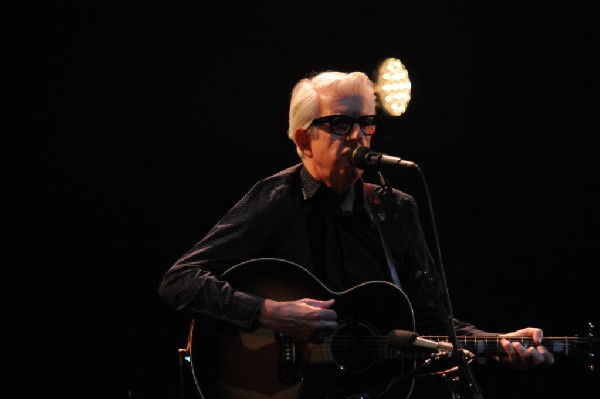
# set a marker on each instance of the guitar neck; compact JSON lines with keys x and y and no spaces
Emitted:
{"x":478,"y":346}
{"x":491,"y":346}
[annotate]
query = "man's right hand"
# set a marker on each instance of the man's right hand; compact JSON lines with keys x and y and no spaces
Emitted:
{"x":305,"y":319}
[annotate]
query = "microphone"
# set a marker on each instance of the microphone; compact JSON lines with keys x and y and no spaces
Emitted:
{"x":409,"y":340}
{"x":364,"y":158}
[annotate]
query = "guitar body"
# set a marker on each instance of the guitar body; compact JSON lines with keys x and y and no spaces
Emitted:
{"x":232,"y":364}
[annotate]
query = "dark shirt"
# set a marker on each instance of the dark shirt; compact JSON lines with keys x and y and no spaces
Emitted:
{"x":291,"y":216}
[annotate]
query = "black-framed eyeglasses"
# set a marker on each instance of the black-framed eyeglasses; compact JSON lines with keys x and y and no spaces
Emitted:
{"x":341,"y":125}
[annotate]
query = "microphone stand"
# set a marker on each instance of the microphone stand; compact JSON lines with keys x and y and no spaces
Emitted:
{"x":447,"y":316}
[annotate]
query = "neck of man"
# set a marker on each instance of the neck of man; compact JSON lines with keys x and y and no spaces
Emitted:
{"x":339,"y":181}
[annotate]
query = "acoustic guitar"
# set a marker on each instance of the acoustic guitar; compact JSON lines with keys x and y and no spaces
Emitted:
{"x":358,"y":360}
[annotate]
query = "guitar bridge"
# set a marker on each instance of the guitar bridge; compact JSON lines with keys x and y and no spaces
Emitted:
{"x":289,"y":369}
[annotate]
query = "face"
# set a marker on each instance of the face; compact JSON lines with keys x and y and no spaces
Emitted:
{"x":327,"y":156}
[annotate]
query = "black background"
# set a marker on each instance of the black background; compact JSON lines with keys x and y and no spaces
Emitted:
{"x":157,"y":116}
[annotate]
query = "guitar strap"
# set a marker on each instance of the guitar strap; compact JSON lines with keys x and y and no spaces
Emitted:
{"x":377,"y":213}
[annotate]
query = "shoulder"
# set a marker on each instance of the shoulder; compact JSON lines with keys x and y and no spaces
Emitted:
{"x":278,"y":185}
{"x":285,"y":175}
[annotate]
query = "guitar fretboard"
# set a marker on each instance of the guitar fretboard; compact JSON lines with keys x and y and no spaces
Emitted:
{"x":491,"y":346}
{"x":379,"y":347}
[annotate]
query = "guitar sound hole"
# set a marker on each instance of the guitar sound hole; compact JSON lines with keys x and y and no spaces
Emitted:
{"x":354,"y":346}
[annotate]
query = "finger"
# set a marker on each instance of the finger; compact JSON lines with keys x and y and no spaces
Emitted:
{"x":508,"y":348}
{"x":325,"y":314}
{"x":319,"y":304}
{"x":519,"y":357}
{"x":537,"y":335}
{"x":320,"y":317}
{"x":524,"y":355}
{"x":323,"y":324}
{"x":536,"y":356}
{"x":546,"y":354}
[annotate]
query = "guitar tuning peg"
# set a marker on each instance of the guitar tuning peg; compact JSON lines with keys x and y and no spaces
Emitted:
{"x":590,"y":329}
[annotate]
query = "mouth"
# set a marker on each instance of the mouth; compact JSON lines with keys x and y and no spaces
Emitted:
{"x":349,"y":150}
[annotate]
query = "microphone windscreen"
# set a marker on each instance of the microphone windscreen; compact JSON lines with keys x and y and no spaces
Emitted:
{"x":358,"y":157}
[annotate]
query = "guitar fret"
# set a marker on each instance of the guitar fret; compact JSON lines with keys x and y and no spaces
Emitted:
{"x":559,"y":346}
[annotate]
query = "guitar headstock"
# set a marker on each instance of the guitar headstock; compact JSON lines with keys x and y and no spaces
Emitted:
{"x":587,"y":345}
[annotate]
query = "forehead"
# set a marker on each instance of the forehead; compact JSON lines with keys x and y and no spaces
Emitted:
{"x":347,"y":105}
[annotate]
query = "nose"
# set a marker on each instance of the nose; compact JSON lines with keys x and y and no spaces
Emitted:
{"x":355,"y":131}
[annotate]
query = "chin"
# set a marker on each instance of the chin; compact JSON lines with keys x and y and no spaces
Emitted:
{"x":351,"y":173}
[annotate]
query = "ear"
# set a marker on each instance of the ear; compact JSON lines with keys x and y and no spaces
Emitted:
{"x":302,"y":139}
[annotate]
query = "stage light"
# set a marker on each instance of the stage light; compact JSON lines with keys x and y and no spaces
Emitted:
{"x":393,"y":86}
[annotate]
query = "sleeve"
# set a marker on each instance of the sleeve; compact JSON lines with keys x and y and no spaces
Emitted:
{"x":192,"y":283}
{"x":464,"y":328}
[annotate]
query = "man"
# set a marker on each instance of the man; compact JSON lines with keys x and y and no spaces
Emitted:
{"x":321,"y":216}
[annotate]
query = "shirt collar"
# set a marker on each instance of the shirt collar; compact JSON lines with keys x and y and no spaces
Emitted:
{"x":310,"y":186}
